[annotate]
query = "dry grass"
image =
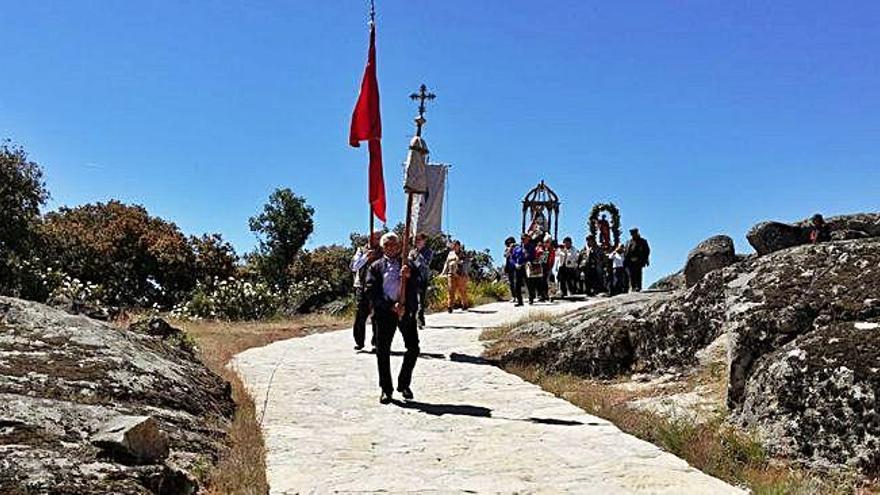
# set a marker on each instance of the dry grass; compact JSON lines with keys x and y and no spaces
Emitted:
{"x":242,"y":467}
{"x":500,"y":340}
{"x":712,"y":447}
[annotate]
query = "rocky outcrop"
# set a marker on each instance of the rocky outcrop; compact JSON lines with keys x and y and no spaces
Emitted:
{"x":815,"y":398}
{"x":670,"y":282}
{"x":771,"y":308}
{"x":713,"y":253}
{"x":69,"y":389}
{"x":768,"y":237}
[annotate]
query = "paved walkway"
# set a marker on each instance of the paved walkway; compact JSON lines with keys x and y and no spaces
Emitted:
{"x":472,"y":428}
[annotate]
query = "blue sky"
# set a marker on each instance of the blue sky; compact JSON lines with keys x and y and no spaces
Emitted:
{"x":695,"y":117}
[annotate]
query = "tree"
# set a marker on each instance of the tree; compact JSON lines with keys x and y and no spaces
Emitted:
{"x":22,"y":192}
{"x":215,"y":259}
{"x":137,"y":259}
{"x":282,"y":228}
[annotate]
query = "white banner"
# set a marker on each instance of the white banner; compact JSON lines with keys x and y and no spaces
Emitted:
{"x":428,"y":208}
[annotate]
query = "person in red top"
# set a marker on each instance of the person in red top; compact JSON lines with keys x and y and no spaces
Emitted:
{"x":548,"y":260}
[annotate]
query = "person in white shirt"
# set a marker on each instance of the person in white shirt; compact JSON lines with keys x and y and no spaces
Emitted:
{"x":567,"y":265}
{"x":360,"y":263}
{"x":619,"y":283}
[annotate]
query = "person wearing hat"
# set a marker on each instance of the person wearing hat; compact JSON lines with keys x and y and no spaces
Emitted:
{"x":519,"y":256}
{"x":819,"y":230}
{"x":636,"y":257}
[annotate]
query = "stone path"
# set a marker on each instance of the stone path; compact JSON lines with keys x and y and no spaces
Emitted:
{"x":472,"y":428}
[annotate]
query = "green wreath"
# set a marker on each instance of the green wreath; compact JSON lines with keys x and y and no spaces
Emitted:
{"x":615,"y":220}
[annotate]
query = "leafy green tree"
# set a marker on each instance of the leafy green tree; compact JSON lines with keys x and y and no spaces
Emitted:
{"x":282,"y":228}
{"x":328,"y":263}
{"x":22,"y":192}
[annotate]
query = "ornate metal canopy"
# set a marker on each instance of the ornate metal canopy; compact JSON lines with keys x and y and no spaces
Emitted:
{"x":542,"y":200}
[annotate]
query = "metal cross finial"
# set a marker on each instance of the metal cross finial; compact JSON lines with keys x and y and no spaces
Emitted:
{"x":422,"y":95}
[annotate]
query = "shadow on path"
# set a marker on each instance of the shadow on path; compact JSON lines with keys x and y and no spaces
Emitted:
{"x":479,"y":412}
{"x":442,"y":409}
{"x":468,"y":359}
{"x":423,"y":355}
{"x":463,"y":327}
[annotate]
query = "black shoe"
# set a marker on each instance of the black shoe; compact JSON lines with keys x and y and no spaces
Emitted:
{"x":450,"y":310}
{"x":406,"y":393}
{"x":358,"y":347}
{"x":385,"y":398}
{"x":518,"y":304}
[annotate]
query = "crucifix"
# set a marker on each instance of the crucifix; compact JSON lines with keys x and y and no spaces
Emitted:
{"x":422,"y":95}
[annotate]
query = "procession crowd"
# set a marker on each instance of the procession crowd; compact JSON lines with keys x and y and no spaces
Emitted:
{"x":394,"y":288}
{"x":538,"y":260}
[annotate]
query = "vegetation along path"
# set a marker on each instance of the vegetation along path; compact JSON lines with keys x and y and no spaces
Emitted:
{"x":472,"y":426}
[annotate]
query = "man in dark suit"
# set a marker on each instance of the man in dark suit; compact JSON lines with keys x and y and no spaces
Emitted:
{"x":636,"y":257}
{"x":383,"y":286}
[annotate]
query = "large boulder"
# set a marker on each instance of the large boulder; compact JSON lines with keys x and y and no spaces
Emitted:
{"x":135,"y":439}
{"x":713,"y":253}
{"x":768,"y":237}
{"x":65,"y":379}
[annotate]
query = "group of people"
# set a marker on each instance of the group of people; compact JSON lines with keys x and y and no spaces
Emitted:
{"x":380,"y":274}
{"x":592,"y":270}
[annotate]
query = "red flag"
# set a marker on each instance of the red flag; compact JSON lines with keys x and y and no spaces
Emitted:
{"x":366,"y":125}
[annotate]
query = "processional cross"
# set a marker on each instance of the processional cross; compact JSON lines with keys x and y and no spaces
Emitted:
{"x":422,"y":96}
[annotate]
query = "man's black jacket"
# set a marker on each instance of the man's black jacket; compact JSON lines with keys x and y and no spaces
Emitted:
{"x":637,"y":252}
{"x":377,"y":293}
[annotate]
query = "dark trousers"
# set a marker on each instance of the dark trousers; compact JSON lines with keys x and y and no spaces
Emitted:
{"x":534,"y":285}
{"x":544,"y":288}
{"x":568,"y":281}
{"x":619,"y":282}
{"x":423,"y":301}
{"x":387,"y":324}
{"x":511,"y":281}
{"x":360,"y":317}
{"x":518,"y":280}
{"x":635,"y":277}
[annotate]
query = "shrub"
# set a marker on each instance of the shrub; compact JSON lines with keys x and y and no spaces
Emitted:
{"x":140,"y":260}
{"x":215,"y":259}
{"x":328,"y":263}
{"x":237,"y":299}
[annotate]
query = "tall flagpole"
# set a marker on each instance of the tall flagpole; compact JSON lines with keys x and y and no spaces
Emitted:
{"x":370,"y":241}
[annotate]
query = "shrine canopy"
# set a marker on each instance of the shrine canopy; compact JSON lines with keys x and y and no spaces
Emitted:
{"x":540,"y":211}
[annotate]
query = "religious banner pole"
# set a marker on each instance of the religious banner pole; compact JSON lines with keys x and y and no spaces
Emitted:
{"x":415,"y":181}
{"x":366,"y":125}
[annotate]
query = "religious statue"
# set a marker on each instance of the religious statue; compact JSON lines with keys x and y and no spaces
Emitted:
{"x":539,"y":221}
{"x":604,"y":232}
